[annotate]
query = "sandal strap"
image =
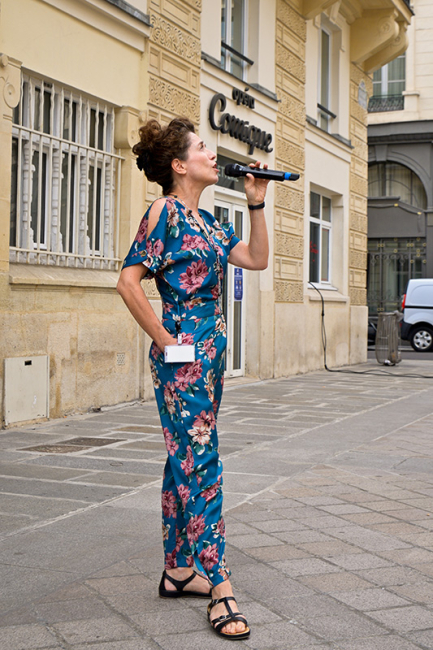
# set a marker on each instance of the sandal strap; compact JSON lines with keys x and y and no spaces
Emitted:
{"x":222,"y":621}
{"x":179,"y":584}
{"x":231,"y":617}
{"x":224,"y":600}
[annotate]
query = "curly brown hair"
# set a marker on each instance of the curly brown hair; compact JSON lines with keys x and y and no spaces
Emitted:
{"x":159,"y":146}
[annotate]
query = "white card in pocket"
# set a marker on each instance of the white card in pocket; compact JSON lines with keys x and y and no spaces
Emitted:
{"x":179,"y":353}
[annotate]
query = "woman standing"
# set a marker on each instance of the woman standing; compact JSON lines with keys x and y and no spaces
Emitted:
{"x":186,"y":250}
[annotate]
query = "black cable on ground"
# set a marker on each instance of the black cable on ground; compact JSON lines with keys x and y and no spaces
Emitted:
{"x":355,"y":372}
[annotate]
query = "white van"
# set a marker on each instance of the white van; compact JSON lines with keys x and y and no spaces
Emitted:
{"x":417,"y":308}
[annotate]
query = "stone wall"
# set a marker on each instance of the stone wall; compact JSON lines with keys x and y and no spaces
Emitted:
{"x":290,"y":128}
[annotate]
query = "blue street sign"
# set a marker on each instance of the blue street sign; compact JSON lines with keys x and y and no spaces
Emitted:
{"x":239,"y":284}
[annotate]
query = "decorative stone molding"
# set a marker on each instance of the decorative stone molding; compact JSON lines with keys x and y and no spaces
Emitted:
{"x":372,"y":34}
{"x":358,"y":296}
{"x":358,"y":185}
{"x":360,"y":149}
{"x":293,"y":109}
{"x":357,"y":259}
{"x":126,"y":127}
{"x":291,"y":154}
{"x":173,"y":39}
{"x":290,"y":63}
{"x":358,"y":111}
{"x":196,"y":4}
{"x":291,"y":19}
{"x":289,"y":246}
{"x":288,"y":291}
{"x":359,"y":222}
{"x":286,"y":197}
{"x":312,"y":8}
{"x":392,"y":51}
{"x":10,"y":81}
{"x":174,"y":100}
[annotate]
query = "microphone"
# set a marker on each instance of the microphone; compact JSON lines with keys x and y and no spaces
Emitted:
{"x":268,"y":174}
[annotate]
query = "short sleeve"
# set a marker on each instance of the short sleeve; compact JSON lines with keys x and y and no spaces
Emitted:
{"x":149,"y":251}
{"x":229,"y":232}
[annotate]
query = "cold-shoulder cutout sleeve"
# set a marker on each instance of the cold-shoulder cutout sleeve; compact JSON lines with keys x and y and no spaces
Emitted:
{"x":149,"y":250}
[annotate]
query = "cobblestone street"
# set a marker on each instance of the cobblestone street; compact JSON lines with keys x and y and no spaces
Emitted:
{"x":328,"y":484}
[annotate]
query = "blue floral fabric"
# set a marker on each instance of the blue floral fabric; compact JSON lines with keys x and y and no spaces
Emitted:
{"x":189,"y":264}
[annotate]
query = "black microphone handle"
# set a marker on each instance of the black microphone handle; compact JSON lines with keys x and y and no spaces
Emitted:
{"x":268,"y":174}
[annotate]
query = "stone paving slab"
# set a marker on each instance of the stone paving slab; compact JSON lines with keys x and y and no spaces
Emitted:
{"x":329,"y":514}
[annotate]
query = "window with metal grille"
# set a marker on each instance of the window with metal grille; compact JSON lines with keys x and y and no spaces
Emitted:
{"x":65,"y":174}
{"x":389,"y":83}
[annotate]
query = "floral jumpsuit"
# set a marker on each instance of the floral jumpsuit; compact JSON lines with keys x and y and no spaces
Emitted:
{"x":188,"y":264}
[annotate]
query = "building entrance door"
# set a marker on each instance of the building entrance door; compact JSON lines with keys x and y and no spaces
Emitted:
{"x":391,"y":264}
{"x":233,"y":294}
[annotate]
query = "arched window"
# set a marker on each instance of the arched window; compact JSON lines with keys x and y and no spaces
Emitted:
{"x":392,"y":179}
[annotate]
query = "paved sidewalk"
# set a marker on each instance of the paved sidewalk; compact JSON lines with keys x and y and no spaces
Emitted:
{"x":329,"y":513}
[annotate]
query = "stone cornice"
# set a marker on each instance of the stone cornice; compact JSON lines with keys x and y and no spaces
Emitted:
{"x":116,"y":18}
{"x":377,"y":27}
{"x":129,"y":9}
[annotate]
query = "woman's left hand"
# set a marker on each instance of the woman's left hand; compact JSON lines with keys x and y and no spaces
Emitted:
{"x":255,"y":188}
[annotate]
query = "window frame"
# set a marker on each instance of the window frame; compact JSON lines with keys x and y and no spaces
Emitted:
{"x":323,"y":225}
{"x":384,"y":180}
{"x":228,"y":52}
{"x":384,"y":81}
{"x":323,"y":103}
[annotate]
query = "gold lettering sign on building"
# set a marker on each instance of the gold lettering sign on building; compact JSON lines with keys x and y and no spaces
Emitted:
{"x":234,"y":126}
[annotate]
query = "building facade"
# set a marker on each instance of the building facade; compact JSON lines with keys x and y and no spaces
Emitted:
{"x":282,"y":81}
{"x":400,"y":136}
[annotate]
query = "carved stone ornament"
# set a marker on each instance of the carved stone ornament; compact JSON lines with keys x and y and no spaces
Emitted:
{"x":10,"y":78}
{"x":288,"y":198}
{"x":292,"y":108}
{"x":292,"y":19}
{"x":174,"y":100}
{"x":170,"y":37}
{"x":358,"y":185}
{"x":359,"y":222}
{"x":357,"y":259}
{"x":358,"y":296}
{"x":288,"y":245}
{"x":126,"y":127}
{"x":290,"y":154}
{"x":288,"y":291}
{"x":290,"y":62}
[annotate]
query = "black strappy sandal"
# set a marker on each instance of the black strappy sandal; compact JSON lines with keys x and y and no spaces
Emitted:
{"x":180,"y":586}
{"x":231,"y":617}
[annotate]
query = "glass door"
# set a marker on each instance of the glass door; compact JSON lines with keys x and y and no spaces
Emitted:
{"x":233,"y":294}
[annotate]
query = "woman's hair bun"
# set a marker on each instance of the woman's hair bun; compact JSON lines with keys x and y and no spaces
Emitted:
{"x":158,"y":146}
{"x":150,"y":134}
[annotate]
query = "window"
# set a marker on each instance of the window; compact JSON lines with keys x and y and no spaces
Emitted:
{"x":233,"y":37}
{"x":64,"y":175}
{"x":320,"y":238}
{"x":389,"y":82}
{"x":325,"y":115}
{"x":393,"y":179}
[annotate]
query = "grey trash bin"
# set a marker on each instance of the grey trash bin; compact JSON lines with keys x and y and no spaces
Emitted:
{"x":388,"y":338}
